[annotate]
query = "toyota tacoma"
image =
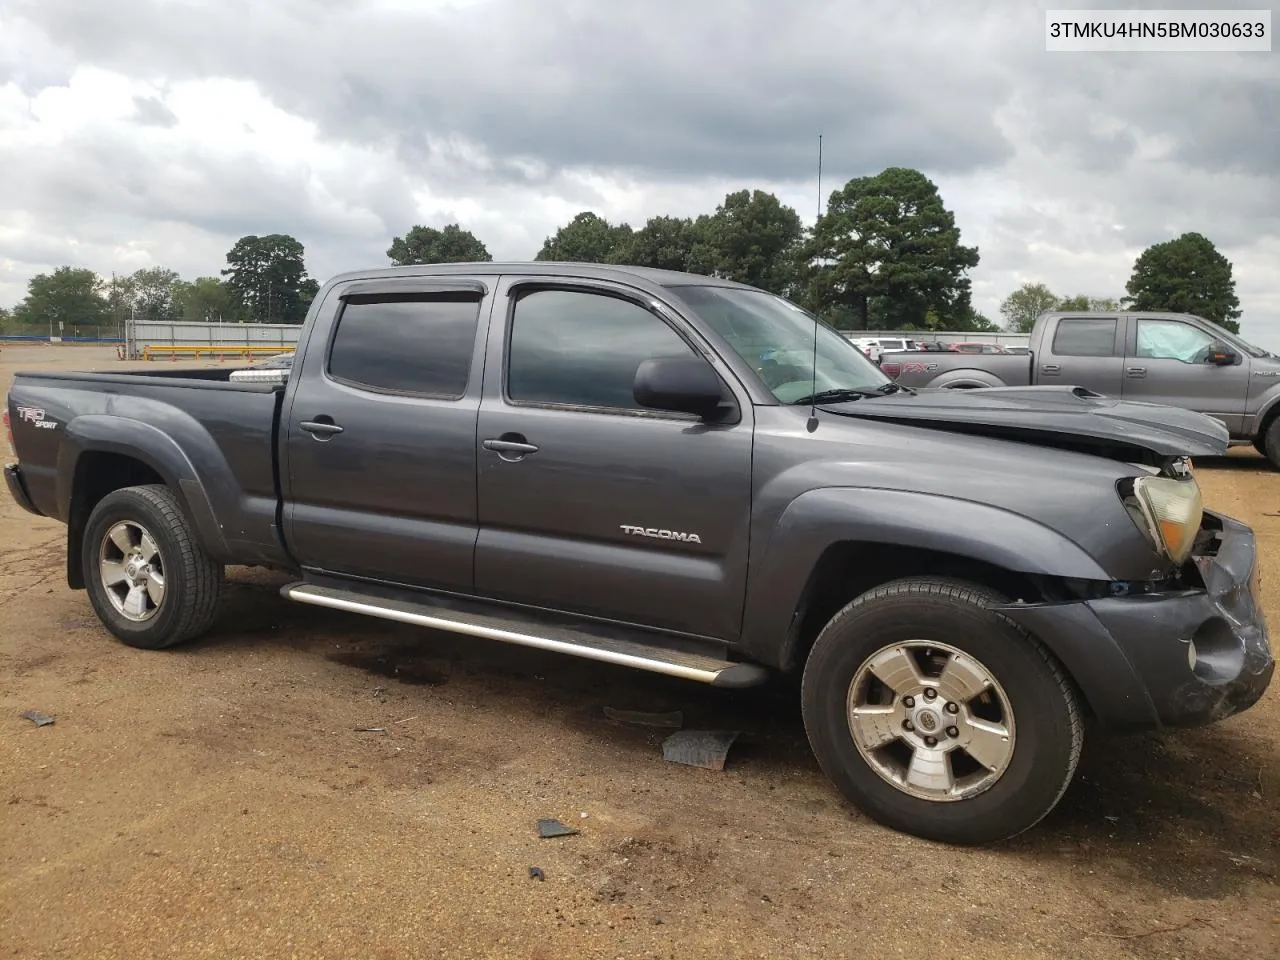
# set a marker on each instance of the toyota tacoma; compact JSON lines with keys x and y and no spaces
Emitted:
{"x":690,"y":476}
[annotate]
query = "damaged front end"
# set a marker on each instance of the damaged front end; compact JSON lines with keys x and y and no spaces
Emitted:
{"x":1223,"y":662}
{"x":1187,"y":648}
{"x":1181,"y":639}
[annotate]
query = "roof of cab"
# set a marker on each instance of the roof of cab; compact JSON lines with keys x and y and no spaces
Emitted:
{"x":545,"y":268}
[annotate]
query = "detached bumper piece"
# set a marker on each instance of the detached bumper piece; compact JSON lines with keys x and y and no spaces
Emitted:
{"x":18,"y":488}
{"x":1203,"y":655}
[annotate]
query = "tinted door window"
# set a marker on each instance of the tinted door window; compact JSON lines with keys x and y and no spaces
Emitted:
{"x":582,"y":349}
{"x":419,"y":344}
{"x":1085,"y":337}
{"x":1173,"y":340}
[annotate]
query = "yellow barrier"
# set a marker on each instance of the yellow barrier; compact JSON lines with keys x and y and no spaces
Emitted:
{"x":219,"y":351}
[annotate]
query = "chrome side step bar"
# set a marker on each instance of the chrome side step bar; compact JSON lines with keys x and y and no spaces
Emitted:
{"x":578,"y":643}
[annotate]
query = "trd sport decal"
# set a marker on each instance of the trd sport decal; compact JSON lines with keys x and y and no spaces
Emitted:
{"x":36,"y":415}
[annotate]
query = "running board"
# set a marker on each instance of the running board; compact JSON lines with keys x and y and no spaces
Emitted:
{"x":578,"y":643}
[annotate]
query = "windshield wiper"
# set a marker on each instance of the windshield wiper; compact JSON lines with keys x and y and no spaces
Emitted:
{"x":845,"y":394}
{"x":838,"y":395}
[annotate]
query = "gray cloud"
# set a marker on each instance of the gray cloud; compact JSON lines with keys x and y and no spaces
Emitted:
{"x":152,"y":112}
{"x":89,"y":173}
{"x":664,"y":88}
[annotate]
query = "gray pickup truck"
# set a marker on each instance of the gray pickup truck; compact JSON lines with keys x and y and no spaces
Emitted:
{"x":1174,"y":358}
{"x":688,"y":476}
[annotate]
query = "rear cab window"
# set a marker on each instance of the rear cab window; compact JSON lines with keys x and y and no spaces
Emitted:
{"x":415,"y":344}
{"x":1085,"y":337}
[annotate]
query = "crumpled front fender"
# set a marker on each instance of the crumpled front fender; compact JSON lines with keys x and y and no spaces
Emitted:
{"x":783,"y":562}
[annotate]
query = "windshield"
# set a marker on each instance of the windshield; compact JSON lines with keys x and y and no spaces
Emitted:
{"x":775,"y":337}
{"x":1234,"y":339}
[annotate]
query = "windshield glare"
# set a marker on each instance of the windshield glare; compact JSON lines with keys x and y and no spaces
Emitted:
{"x":775,"y":337}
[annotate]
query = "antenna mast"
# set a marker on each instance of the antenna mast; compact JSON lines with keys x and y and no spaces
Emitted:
{"x":812,"y":423}
{"x":819,"y":174}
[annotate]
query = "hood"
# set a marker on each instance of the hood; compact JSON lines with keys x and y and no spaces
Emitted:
{"x":1072,"y":418}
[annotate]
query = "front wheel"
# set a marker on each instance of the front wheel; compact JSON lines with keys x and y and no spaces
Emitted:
{"x":149,"y":580}
{"x":1269,"y":443}
{"x":938,"y":717}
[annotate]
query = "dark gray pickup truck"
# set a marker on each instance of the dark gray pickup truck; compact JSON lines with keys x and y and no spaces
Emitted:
{"x":650,"y":469}
{"x":1173,"y":358}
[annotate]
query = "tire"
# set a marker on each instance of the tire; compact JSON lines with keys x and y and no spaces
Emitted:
{"x":184,"y":604}
{"x":1032,"y":699}
{"x":1269,"y":443}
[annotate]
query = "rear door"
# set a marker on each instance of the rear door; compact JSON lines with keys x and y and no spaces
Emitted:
{"x":380,"y":466}
{"x":1168,"y":363}
{"x":589,"y":503}
{"x":1085,"y":352}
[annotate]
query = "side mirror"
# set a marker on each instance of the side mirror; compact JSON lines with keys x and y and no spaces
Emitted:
{"x":679,"y":384}
{"x":1221,"y":355}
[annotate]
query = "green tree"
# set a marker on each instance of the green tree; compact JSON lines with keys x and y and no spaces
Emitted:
{"x":665,"y":243}
{"x":971,"y":321}
{"x":120,"y":292}
{"x":1087,"y":303}
{"x":754,"y":238}
{"x":204,"y":300}
{"x":890,"y":236}
{"x":69,"y":296}
{"x":307,"y":291}
{"x":450,"y":244}
{"x":1021,"y":307}
{"x":1185,"y":275}
{"x":587,"y":238}
{"x":268,"y":280}
{"x":153,"y":289}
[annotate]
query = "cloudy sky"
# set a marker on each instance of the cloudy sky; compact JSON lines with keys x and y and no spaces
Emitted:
{"x":143,"y":132}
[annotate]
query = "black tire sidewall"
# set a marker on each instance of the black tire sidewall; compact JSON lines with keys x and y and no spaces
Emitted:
{"x":126,"y":504}
{"x":1043,"y":734}
{"x":1270,"y":447}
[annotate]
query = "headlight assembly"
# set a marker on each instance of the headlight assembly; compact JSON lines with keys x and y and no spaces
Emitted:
{"x":1168,"y":511}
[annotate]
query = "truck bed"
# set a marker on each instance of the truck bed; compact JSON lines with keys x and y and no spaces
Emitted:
{"x":211,"y":439}
{"x":914,"y":368}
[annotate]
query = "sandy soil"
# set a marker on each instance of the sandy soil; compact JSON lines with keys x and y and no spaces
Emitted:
{"x":216,"y":800}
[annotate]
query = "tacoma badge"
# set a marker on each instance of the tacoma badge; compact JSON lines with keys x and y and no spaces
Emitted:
{"x":657,"y":534}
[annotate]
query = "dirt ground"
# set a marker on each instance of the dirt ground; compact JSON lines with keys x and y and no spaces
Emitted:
{"x":216,"y":800}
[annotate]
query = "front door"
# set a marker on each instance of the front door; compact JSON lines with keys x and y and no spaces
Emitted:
{"x":380,"y":465}
{"x":589,"y":503}
{"x":1169,"y":363}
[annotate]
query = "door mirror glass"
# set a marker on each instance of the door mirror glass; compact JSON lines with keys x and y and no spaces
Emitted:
{"x":1221,"y":355}
{"x":679,"y":384}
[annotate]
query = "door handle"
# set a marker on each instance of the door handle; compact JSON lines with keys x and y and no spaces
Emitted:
{"x":510,"y":446}
{"x":1136,"y":372}
{"x":1051,"y":368}
{"x":319,"y":429}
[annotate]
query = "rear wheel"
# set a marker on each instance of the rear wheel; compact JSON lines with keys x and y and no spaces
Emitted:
{"x":149,"y":580}
{"x":939,"y":717}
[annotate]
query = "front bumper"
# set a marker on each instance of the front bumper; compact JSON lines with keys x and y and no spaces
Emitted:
{"x":18,"y":488}
{"x":1131,"y":655}
{"x":1233,"y":658}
